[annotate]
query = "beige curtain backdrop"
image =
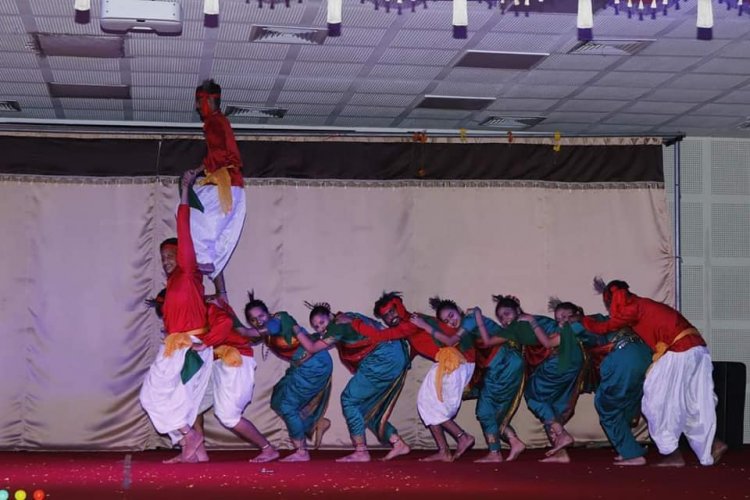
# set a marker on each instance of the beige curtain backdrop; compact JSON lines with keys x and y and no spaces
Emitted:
{"x":79,"y":256}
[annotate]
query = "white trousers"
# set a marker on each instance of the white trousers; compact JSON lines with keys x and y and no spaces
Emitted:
{"x":215,"y":234}
{"x":169,"y":403}
{"x":679,"y":398}
{"x":232,"y":390}
{"x":431,"y":409}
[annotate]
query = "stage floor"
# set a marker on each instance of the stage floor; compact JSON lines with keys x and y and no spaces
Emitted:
{"x":228,"y":475}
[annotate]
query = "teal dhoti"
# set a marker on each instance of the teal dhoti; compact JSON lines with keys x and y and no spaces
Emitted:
{"x":618,"y":397}
{"x":551,"y":394}
{"x":500,"y":394}
{"x":301,"y":396}
{"x":369,"y":397}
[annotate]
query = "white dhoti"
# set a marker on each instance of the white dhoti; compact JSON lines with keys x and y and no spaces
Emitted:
{"x":169,"y":403}
{"x":431,"y":409}
{"x":679,"y":398}
{"x":215,"y":234}
{"x":232,"y":389}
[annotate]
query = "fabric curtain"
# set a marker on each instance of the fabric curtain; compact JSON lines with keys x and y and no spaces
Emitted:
{"x":80,"y":256}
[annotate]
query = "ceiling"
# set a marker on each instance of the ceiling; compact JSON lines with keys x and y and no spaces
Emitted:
{"x":378,"y":72}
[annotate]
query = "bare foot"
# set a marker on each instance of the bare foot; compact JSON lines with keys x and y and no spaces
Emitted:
{"x":298,"y":456}
{"x":516,"y":448}
{"x":266,"y":455}
{"x":631,"y":461}
{"x":357,"y":456}
{"x":561,"y":457}
{"x":440,"y":456}
{"x":320,"y":428}
{"x":174,"y":460}
{"x":674,"y":459}
{"x":399,"y":448}
{"x":201,"y":454}
{"x":491,"y":457}
{"x":465,"y":442}
{"x":618,"y":458}
{"x":717,"y":450}
{"x":190,"y":444}
{"x":563,"y":440}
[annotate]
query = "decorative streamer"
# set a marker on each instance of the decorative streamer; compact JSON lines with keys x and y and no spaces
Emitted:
{"x":334,"y":17}
{"x":585,"y":20}
{"x":460,"y":19}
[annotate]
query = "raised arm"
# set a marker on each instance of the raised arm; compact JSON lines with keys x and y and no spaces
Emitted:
{"x":402,"y":331}
{"x":186,"y":259}
{"x":437,"y":334}
{"x":627,"y":316}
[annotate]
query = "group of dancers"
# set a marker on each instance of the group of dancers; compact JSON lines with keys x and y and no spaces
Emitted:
{"x":645,"y":357}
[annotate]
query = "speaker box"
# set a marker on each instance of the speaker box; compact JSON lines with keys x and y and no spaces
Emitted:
{"x":729,"y":384}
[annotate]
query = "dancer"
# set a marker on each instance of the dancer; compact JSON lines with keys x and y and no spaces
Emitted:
{"x":301,"y":396}
{"x":502,"y":381}
{"x":439,"y":396}
{"x":620,"y":367}
{"x":553,"y":385}
{"x":678,"y":393}
{"x":234,"y":375}
{"x":218,"y":198}
{"x":379,"y":370}
{"x":172,"y":405}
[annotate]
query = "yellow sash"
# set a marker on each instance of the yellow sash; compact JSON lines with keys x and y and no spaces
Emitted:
{"x":228,"y":354}
{"x":448,"y":360}
{"x":663,"y":347}
{"x":179,"y":340}
{"x":223,"y":183}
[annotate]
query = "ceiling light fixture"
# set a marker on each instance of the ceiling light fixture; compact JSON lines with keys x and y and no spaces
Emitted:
{"x":651,"y":8}
{"x":211,"y":13}
{"x":83,"y":11}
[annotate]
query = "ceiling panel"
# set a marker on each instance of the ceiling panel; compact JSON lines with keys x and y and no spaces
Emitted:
{"x":384,"y":64}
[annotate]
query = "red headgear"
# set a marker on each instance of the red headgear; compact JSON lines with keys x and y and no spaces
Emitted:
{"x":203,"y":97}
{"x":396,"y":303}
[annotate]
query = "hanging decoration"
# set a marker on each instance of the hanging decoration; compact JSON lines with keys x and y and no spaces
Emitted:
{"x":460,"y":19}
{"x":211,"y":13}
{"x":705,"y":21}
{"x":585,"y":20}
{"x":334,"y":16}
{"x":83,"y":11}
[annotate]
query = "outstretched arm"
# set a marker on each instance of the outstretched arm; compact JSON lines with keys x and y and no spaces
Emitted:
{"x":437,"y":334}
{"x":185,"y":251}
{"x":484,"y":333}
{"x":401,"y":331}
{"x":313,"y":346}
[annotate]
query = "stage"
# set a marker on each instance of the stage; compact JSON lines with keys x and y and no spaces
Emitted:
{"x":141,"y":475}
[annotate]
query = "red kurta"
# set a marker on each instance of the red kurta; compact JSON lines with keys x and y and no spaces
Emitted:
{"x":653,"y":321}
{"x":184,"y":308}
{"x":222,"y":147}
{"x":221,"y":330}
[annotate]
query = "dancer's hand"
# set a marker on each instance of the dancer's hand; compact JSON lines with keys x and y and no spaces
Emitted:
{"x":527,"y":318}
{"x":418,"y":321}
{"x":188,"y":178}
{"x":342,"y":319}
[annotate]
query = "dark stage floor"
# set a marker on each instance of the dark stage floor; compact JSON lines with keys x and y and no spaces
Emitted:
{"x":229,"y":475}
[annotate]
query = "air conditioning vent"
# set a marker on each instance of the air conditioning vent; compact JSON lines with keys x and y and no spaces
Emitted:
{"x":255,"y":112}
{"x":286,"y":34}
{"x":10,"y":106}
{"x":512,"y":122}
{"x":455,"y":102}
{"x":624,"y":47}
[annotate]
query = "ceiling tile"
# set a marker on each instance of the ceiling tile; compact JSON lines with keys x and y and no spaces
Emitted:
{"x":21,"y":75}
{"x":695,"y":120}
{"x":736,"y":97}
{"x":305,"y":97}
{"x":680,"y":95}
{"x":661,"y":107}
{"x":325,"y":70}
{"x":82,"y":105}
{"x":611,"y":93}
{"x":690,"y":47}
{"x":523,"y":105}
{"x":641,"y":119}
{"x":378,"y":111}
{"x":394,"y":71}
{"x":340,"y":54}
{"x":707,"y":81}
{"x":317,"y":84}
{"x":630,"y":78}
{"x":572,"y":62}
{"x":274,"y":52}
{"x":94,"y":64}
{"x":426,"y":57}
{"x":650,"y":63}
{"x":539,"y":91}
{"x":394,"y":86}
{"x":725,"y":66}
{"x":364,"y":121}
{"x":582,"y":105}
{"x":540,"y":77}
{"x":570,"y":117}
{"x":87,"y":77}
{"x":725,"y":109}
{"x":428,"y":39}
{"x":383,"y":99}
{"x":165,"y":64}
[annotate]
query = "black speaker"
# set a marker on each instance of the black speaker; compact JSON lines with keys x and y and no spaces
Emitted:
{"x":729,"y":384}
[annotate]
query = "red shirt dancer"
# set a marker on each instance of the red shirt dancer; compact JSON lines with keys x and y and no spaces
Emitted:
{"x":678,"y":393}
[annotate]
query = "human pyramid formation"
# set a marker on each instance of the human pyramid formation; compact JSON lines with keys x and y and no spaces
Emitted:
{"x":645,"y":357}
